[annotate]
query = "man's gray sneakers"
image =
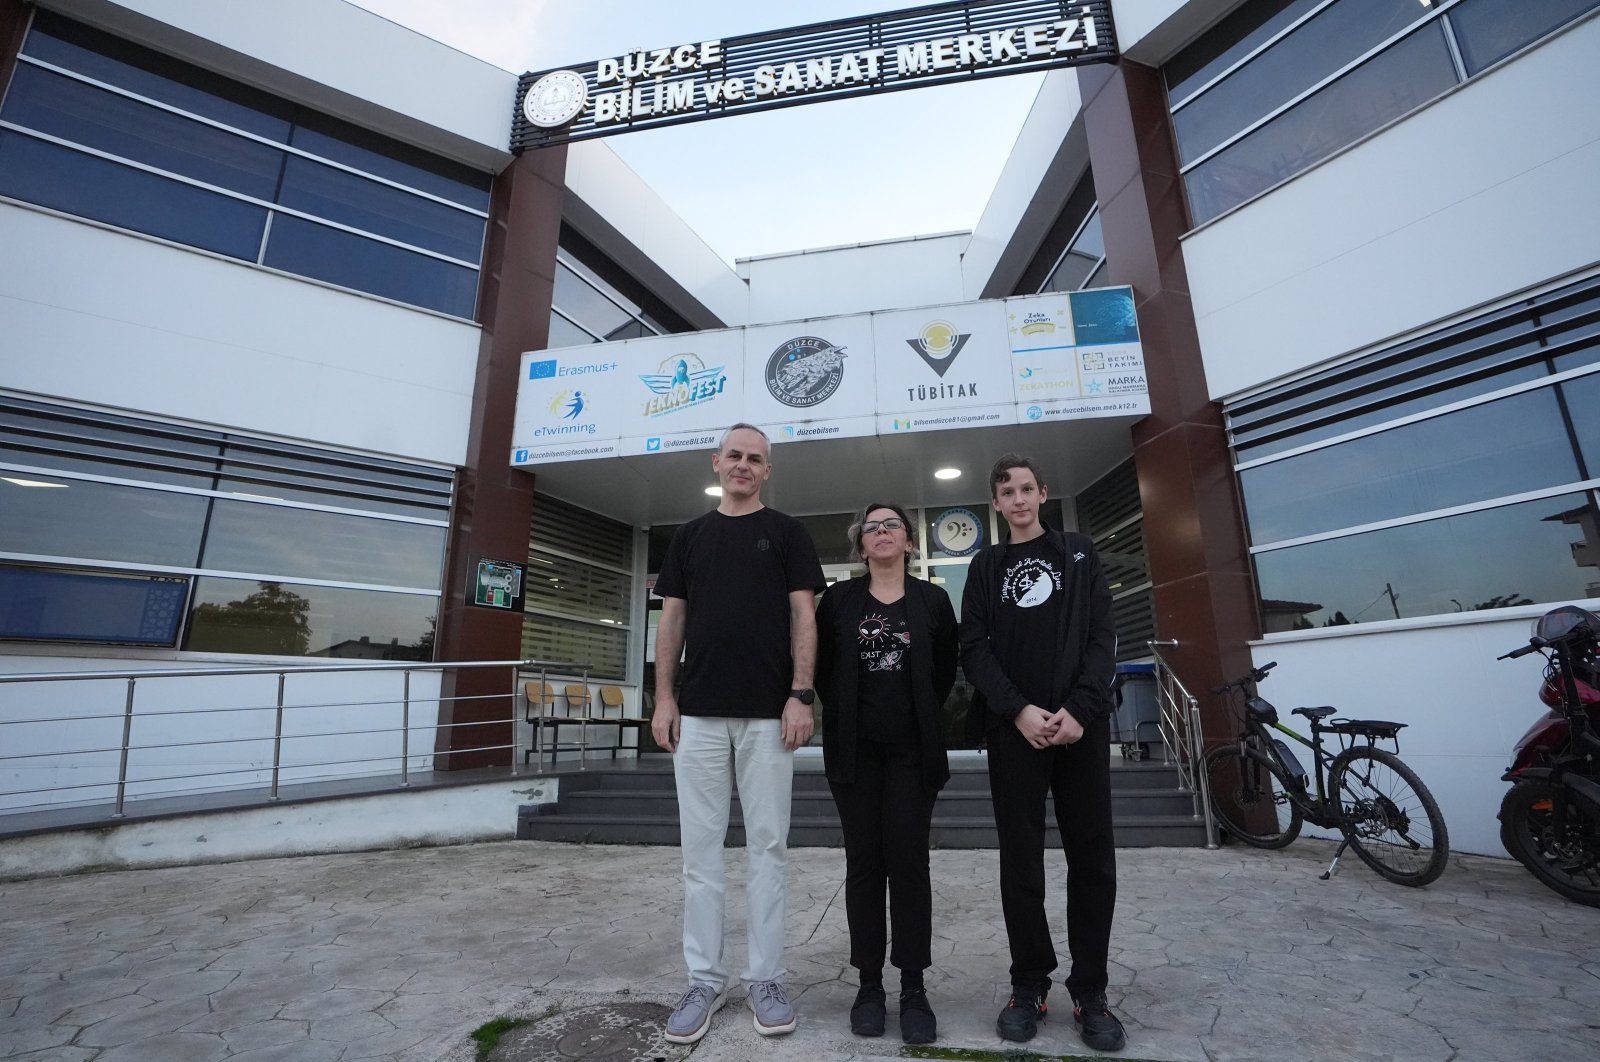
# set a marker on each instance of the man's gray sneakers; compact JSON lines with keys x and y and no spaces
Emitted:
{"x":692,"y":1016}
{"x":774,"y":1013}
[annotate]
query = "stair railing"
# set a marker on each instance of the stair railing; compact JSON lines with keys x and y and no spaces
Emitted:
{"x":1182,"y":739}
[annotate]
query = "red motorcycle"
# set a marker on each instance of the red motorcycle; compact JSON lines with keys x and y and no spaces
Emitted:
{"x":1550,"y":819}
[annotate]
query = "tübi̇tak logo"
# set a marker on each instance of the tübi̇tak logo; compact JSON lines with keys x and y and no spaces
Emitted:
{"x":681,"y":381}
{"x":938,"y":344}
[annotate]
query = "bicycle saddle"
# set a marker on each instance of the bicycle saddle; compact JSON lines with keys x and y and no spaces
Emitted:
{"x":1316,"y":713}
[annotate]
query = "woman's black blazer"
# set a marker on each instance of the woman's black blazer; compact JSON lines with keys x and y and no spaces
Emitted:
{"x":933,"y":658}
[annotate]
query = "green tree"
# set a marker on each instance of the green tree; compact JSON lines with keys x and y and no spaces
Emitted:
{"x":271,"y":620}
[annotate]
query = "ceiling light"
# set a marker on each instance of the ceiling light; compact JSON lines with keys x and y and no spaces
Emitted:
{"x":947,"y":473}
{"x":715,"y":492}
{"x":30,"y":482}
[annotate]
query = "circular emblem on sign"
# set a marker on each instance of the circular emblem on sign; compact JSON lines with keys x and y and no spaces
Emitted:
{"x":957,"y":532}
{"x":555,"y":99}
{"x":805,"y":371}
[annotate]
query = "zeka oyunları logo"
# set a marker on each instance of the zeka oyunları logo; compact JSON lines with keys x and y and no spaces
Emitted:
{"x":1029,"y":582}
{"x":938,"y":344}
{"x":805,"y":371}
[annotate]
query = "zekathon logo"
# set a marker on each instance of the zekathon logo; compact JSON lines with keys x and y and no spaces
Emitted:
{"x":805,"y":371}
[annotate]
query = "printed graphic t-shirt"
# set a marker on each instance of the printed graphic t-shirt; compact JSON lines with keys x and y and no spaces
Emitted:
{"x":736,"y":573}
{"x":883,"y":684}
{"x":1028,"y":624}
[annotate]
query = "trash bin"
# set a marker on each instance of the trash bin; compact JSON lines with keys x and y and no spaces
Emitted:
{"x":1136,"y":716}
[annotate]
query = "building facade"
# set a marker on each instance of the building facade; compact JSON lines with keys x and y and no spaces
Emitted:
{"x":263,"y":300}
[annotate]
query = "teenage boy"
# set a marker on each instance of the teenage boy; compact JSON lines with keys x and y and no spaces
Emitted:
{"x":1039,"y":645}
{"x":738,"y":586}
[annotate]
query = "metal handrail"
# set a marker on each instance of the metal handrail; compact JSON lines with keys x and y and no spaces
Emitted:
{"x":281,"y":672}
{"x":1182,"y":735}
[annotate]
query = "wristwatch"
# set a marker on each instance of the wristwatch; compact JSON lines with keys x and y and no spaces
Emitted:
{"x":805,"y":696}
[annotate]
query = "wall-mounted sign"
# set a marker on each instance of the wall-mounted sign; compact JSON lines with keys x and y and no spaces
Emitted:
{"x":496,"y":584}
{"x":956,"y":532}
{"x":690,"y":82}
{"x":964,"y":365}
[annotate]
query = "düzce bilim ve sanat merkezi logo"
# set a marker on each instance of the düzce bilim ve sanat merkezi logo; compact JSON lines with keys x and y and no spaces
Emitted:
{"x":805,"y":371}
{"x":679,"y":382}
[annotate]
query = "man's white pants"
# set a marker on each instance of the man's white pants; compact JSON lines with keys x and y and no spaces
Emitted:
{"x":711,"y":753}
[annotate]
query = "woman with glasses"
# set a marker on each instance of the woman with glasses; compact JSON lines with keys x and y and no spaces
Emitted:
{"x":886,"y":661}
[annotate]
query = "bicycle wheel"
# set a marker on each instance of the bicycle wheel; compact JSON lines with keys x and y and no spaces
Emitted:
{"x":1567,"y":861}
{"x":1390,"y":817}
{"x":1250,"y":797}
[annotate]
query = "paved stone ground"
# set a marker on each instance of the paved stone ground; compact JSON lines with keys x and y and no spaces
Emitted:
{"x":1231,"y":954}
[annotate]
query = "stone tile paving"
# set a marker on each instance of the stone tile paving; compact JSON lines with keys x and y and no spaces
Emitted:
{"x":1225,"y":955}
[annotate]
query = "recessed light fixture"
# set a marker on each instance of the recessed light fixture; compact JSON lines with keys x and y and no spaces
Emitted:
{"x":715,"y":492}
{"x":947,"y":473}
{"x":30,"y":482}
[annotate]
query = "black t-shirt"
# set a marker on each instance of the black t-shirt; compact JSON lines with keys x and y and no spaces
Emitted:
{"x":883,"y":684}
{"x":736,"y":573}
{"x":1027,"y":628}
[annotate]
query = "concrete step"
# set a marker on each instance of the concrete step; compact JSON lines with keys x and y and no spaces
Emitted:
{"x":959,"y":804}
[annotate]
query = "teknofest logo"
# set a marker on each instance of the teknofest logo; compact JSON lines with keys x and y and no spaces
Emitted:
{"x":805,"y":371}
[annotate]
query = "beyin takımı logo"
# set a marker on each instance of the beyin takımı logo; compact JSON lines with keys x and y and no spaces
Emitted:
{"x":938,"y":344}
{"x":681,"y":381}
{"x":805,"y":371}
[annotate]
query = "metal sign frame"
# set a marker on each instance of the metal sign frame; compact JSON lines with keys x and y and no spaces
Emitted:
{"x":933,"y":45}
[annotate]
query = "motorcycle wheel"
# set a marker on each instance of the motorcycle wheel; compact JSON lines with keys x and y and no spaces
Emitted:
{"x":1569,"y":862}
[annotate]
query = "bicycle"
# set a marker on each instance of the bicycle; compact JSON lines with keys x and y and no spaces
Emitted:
{"x":1262,"y":796}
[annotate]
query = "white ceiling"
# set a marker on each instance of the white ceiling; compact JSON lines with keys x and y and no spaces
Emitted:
{"x":838,"y":475}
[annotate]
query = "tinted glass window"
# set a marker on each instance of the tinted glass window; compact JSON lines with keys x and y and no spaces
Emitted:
{"x":1583,"y":399}
{"x":87,"y":442}
{"x":1395,"y":81}
{"x":284,"y":619}
{"x":275,"y":540}
{"x":49,"y":516}
{"x":390,"y":159}
{"x":147,"y":73}
{"x":580,"y":301}
{"x":71,"y":110}
{"x":1233,"y":38}
{"x":313,"y":250}
{"x":1316,"y":49}
{"x":67,"y":180}
{"x":1501,"y":448}
{"x":1490,"y":30}
{"x":1516,"y":554}
{"x":366,"y":204}
{"x":563,"y":333}
{"x":46,"y":604}
{"x":604,"y":649}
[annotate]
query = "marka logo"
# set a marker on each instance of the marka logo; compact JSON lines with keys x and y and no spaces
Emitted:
{"x":938,"y":344}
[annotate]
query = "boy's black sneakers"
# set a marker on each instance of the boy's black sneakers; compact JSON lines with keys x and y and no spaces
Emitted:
{"x":868,"y":1015}
{"x":917,"y":1023}
{"x":1100,"y":1028}
{"x":1020,"y":1020}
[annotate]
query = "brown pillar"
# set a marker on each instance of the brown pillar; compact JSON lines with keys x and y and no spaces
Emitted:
{"x":13,"y":25}
{"x":494,"y":502}
{"x":1193,"y":524}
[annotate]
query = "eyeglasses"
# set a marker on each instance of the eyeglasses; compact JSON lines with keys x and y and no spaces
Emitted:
{"x":891,"y":524}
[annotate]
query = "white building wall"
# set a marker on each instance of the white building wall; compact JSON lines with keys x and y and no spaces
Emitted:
{"x":1463,"y":709}
{"x":1487,"y":192}
{"x":92,"y":315}
{"x":829,"y":281}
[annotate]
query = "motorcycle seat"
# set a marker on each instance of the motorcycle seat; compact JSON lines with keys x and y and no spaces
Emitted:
{"x":1316,"y":713}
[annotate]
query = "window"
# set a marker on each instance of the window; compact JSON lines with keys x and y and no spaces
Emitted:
{"x":107,"y":130}
{"x":1453,"y":472}
{"x":156,"y":522}
{"x":1109,"y":511}
{"x":1072,"y":251}
{"x":1282,"y":84}
{"x":579,"y":590}
{"x":595,"y":301}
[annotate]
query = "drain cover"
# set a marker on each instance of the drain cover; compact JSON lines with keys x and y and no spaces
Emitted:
{"x":621,"y":1032}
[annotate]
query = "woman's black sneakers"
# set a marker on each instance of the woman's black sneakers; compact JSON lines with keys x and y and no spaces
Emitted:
{"x":1020,"y":1020}
{"x":1100,"y":1028}
{"x":868,"y":1015}
{"x":917,"y":1023}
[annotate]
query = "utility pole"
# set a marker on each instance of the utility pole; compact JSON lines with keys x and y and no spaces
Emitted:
{"x":1394,"y":602}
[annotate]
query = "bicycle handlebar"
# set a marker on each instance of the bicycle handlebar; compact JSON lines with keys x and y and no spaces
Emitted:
{"x":1256,"y":675}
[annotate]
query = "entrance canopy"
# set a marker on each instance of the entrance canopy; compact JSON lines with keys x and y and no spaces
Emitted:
{"x":877,"y":400}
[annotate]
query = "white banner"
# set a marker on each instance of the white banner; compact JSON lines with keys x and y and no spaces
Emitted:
{"x":963,"y":365}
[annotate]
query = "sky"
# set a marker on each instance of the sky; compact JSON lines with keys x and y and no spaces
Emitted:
{"x":847,"y":171}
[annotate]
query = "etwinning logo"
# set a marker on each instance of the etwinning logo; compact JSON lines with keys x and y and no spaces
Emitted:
{"x":805,"y":371}
{"x":567,"y":407}
{"x":542,"y":370}
{"x":681,"y":381}
{"x":938,"y":344}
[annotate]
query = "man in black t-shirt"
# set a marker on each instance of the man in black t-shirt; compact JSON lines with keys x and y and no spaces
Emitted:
{"x":1038,"y":644}
{"x":738,"y":587}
